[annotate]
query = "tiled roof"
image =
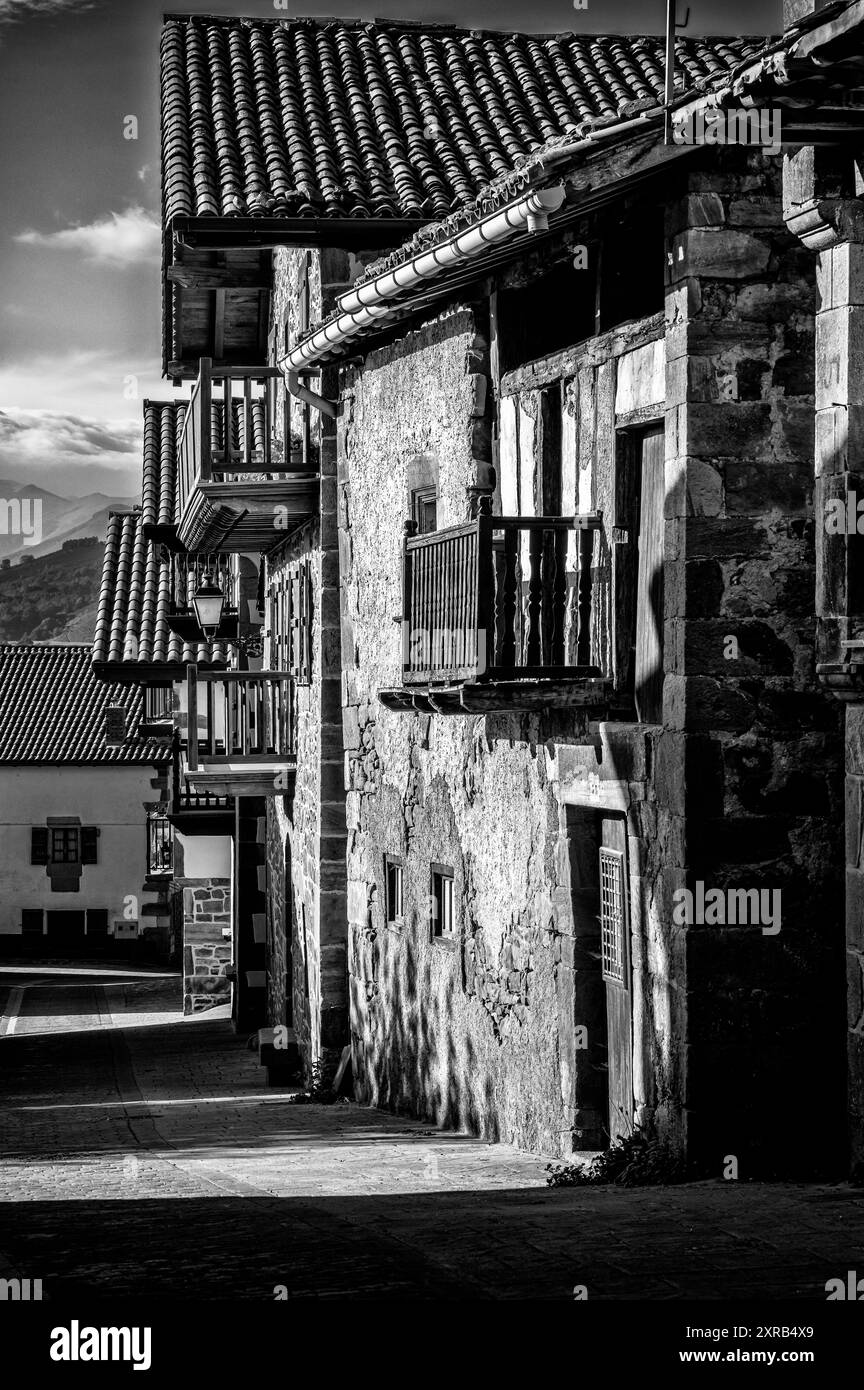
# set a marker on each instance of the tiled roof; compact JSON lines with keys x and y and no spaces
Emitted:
{"x":309,"y":118}
{"x":134,"y":598}
{"x":52,"y":709}
{"x":163,"y":426}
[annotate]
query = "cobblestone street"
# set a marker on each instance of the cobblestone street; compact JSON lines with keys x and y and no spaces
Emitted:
{"x":229,"y":1190}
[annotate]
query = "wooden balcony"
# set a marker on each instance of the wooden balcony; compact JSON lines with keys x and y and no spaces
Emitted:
{"x":235,"y":490}
{"x":196,"y":813}
{"x":497,"y":616}
{"x":241,"y":737}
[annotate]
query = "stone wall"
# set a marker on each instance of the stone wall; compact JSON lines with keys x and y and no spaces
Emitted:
{"x":206,"y":952}
{"x":753,"y":747}
{"x":468,"y":1032}
{"x":306,"y":828}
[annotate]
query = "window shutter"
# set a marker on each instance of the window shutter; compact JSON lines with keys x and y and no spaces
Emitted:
{"x":89,"y":837}
{"x":39,"y":844}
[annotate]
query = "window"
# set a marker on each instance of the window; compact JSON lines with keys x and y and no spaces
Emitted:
{"x":160,"y":846}
{"x":424,"y":509}
{"x":158,"y":704}
{"x":64,"y":845}
{"x":441,"y":902}
{"x":612,"y":942}
{"x":394,"y":888}
{"x":31,"y":921}
{"x":551,"y":312}
{"x":632,"y":264}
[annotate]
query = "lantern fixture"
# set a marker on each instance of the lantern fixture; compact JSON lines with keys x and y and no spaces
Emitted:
{"x":208,"y":601}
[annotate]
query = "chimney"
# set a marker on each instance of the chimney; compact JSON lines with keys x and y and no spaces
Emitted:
{"x":796,"y":10}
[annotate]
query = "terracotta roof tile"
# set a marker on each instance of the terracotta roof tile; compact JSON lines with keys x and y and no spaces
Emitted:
{"x":135,"y":593}
{"x":328,"y":118}
{"x":52,"y":709}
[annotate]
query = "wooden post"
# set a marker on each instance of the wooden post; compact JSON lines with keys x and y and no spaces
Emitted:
{"x":204,"y":402}
{"x":586,"y":556}
{"x":484,"y":654}
{"x":192,"y":717}
{"x":509,"y":601}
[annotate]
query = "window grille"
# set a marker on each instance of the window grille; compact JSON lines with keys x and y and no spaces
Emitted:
{"x":160,"y":847}
{"x":612,"y":915}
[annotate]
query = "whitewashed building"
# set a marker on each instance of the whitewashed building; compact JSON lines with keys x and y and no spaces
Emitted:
{"x":85,"y":846}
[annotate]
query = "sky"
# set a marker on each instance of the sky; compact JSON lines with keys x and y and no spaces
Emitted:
{"x":79,"y":216}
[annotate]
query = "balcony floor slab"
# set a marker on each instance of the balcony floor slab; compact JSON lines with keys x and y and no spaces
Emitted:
{"x":502,"y":697}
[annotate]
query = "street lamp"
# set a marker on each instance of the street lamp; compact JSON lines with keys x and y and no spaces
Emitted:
{"x":208,"y":601}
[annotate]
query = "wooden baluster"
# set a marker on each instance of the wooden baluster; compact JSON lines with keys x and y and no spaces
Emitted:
{"x":438,"y":556}
{"x":586,"y":555}
{"x":533,"y":650}
{"x":510,"y":597}
{"x":484,"y":590}
{"x":423,"y":660}
{"x":457,"y":607}
{"x":447,"y":577}
{"x":441,"y":552}
{"x":408,"y":599}
{"x":472,"y":644}
{"x":557,"y":652}
{"x":460,"y":608}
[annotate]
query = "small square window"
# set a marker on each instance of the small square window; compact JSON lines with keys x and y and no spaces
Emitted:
{"x":64,"y":844}
{"x":443,"y":923}
{"x":424,"y":507}
{"x":394,"y":891}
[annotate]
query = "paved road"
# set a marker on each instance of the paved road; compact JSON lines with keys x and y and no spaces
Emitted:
{"x":142,"y":1155}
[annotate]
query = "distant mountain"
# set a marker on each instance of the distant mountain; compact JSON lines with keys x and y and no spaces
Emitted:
{"x":51,"y":598}
{"x":62,"y":518}
{"x":80,"y":628}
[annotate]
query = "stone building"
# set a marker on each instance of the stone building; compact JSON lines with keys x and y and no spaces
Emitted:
{"x":542,"y":751}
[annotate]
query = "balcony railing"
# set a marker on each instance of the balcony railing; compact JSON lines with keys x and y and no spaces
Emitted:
{"x":499,"y":598}
{"x":231,"y":472}
{"x":242,"y":732}
{"x":196,"y":812}
{"x":160,"y":845}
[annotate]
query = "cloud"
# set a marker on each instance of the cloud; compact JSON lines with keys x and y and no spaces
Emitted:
{"x":70,"y":454}
{"x":120,"y":240}
{"x":12,"y":10}
{"x":108,"y":383}
{"x":41,"y":435}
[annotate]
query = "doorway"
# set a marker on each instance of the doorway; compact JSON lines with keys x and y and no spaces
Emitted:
{"x":602,"y":994}
{"x":615,"y":968}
